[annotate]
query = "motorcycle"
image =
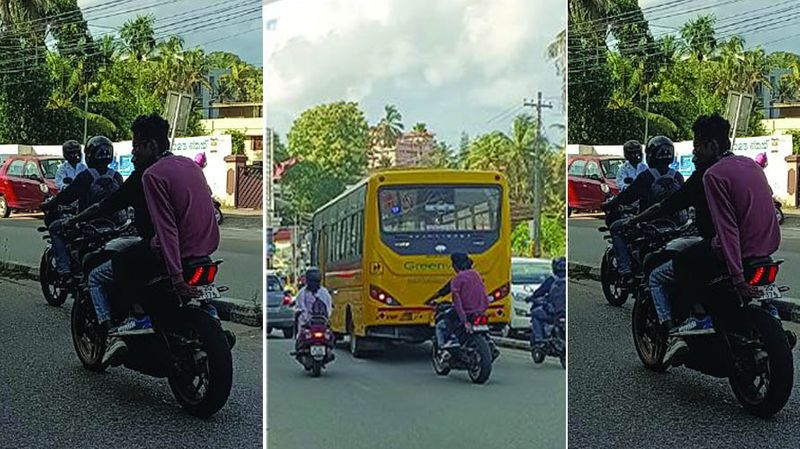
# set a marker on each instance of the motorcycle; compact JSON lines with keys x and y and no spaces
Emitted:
{"x":476,"y":351}
{"x":187,"y":344}
{"x":555,"y":344}
{"x":218,"y":212}
{"x":779,"y":212}
{"x":314,"y":344}
{"x":749,"y":346}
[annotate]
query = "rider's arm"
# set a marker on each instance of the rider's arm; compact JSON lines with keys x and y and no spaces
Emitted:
{"x":162,"y":214}
{"x":679,"y":200}
{"x":544,"y":288}
{"x":723,"y":216}
{"x":71,"y":193}
{"x":60,"y":175}
{"x":444,"y":291}
{"x":634,"y":192}
{"x":621,"y":175}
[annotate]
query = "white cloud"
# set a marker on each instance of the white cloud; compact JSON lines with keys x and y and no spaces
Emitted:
{"x":452,"y":64}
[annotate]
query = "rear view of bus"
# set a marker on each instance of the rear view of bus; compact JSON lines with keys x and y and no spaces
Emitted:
{"x":413,"y":221}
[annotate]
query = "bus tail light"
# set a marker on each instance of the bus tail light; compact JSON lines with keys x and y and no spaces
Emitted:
{"x":380,"y":295}
{"x":499,"y":293}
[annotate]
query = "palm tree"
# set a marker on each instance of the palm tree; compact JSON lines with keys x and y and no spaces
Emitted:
{"x":390,"y":128}
{"x":698,"y":37}
{"x":420,"y":128}
{"x":233,"y":85}
{"x":138,"y":37}
{"x":557,"y":53}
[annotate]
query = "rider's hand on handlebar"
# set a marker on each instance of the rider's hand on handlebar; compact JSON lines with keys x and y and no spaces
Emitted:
{"x":185,"y":290}
{"x":745,"y":290}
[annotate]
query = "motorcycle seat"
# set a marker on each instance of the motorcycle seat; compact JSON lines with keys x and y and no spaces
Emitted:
{"x":755,"y":262}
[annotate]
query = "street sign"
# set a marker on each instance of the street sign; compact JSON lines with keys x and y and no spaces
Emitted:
{"x":177,"y":111}
{"x":737,"y":111}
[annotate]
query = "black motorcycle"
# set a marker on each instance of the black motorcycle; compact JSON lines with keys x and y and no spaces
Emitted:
{"x":476,"y":351}
{"x":187,"y":345}
{"x":218,"y":212}
{"x":555,"y":344}
{"x":749,"y":345}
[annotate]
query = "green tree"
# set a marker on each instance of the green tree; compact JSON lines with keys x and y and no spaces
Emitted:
{"x":699,"y":37}
{"x":138,"y":37}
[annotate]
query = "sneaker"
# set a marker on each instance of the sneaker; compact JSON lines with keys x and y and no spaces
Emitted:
{"x":133,"y":326}
{"x":675,"y":350}
{"x":693,"y":326}
{"x":115,"y":353}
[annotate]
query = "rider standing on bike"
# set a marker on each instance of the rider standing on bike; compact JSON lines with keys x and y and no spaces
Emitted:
{"x":72,"y":165}
{"x":651,"y":186}
{"x":89,"y":187}
{"x":632,"y":150}
{"x":469,"y":298}
{"x":549,"y":302}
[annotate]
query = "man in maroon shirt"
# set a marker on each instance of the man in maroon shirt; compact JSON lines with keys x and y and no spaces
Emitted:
{"x":469,"y":298}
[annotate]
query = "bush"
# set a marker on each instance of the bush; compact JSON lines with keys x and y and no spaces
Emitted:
{"x":554,"y":237}
{"x":237,"y":141}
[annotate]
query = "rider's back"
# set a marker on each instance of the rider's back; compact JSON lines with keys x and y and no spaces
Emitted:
{"x":469,"y":286}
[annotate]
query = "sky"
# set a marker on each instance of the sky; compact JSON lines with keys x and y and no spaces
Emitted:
{"x":237,"y":22}
{"x":455,"y":65}
{"x":774,"y":24}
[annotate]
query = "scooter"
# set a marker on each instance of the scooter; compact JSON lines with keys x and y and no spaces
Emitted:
{"x":315,"y":342}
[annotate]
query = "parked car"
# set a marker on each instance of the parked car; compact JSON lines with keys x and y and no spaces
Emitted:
{"x":526,"y":276}
{"x":280,"y":307}
{"x":25,"y":181}
{"x":590,"y":179}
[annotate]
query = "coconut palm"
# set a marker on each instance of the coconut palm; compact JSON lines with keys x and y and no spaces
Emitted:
{"x":138,"y":37}
{"x":698,"y":37}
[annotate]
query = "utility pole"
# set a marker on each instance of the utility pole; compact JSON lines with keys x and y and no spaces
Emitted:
{"x":85,"y":116}
{"x":536,"y":223}
{"x":270,"y":215}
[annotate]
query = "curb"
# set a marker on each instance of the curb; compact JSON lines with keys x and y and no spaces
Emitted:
{"x":229,"y":309}
{"x":788,"y":308}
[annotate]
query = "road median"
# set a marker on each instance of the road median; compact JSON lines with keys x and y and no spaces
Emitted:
{"x":241,"y":311}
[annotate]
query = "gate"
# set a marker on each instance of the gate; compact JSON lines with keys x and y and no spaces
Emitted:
{"x":250,"y":187}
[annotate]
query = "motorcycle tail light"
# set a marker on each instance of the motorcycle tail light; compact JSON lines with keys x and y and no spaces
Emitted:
{"x":203,"y":275}
{"x":287,"y":300}
{"x":319,"y":334}
{"x":480,"y":320}
{"x":764,"y":275}
{"x":773,"y":273}
{"x":379,"y":294}
{"x":500,"y":292}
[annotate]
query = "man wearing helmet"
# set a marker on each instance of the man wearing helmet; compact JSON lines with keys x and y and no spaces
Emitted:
{"x":549,"y":301}
{"x":651,"y":186}
{"x":633,"y":165}
{"x":89,"y":187}
{"x":734,"y":216}
{"x":312,"y":292}
{"x":72,"y":165}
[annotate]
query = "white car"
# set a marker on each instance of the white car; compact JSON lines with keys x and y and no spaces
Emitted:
{"x":526,"y":276}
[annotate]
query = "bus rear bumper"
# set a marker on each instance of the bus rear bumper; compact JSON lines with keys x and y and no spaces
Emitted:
{"x":409,"y":334}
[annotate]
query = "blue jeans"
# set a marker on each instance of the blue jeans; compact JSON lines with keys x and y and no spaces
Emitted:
{"x":661,"y":279}
{"x":99,"y":278}
{"x":60,"y":250}
{"x":620,"y":248}
{"x":539,"y":317}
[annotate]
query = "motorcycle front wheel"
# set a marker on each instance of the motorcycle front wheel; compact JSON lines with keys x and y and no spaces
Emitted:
{"x":764,"y":373}
{"x":48,"y":278}
{"x":650,"y":341}
{"x":440,"y":367}
{"x":88,"y":338}
{"x":203,"y":382}
{"x":615,"y":295}
{"x":480,"y":364}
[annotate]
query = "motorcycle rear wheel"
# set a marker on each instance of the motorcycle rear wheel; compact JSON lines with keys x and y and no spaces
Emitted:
{"x":316,"y":368}
{"x":87,"y":337}
{"x":778,"y":376}
{"x":537,"y":354}
{"x":649,"y":340}
{"x":480,"y":367}
{"x":615,"y":295}
{"x":216,"y":365}
{"x":48,"y":277}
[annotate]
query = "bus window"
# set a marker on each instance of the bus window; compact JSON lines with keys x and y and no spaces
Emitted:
{"x":429,"y":209}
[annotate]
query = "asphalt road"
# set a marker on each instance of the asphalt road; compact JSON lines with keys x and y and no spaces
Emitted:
{"x":48,"y":400}
{"x":397,"y":401}
{"x":615,"y":402}
{"x":241,"y":248}
{"x":586,"y":246}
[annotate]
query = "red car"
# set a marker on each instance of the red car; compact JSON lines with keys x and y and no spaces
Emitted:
{"x":25,"y":181}
{"x":590,"y":179}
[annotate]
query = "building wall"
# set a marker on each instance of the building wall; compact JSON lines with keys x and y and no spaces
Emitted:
{"x":253,"y":128}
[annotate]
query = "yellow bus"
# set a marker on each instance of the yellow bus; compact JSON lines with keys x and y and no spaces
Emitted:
{"x":384,"y":249}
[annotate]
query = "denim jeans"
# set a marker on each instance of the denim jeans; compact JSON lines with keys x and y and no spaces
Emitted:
{"x":99,"y":278}
{"x":539,"y":317}
{"x":60,"y":250}
{"x":620,"y":248}
{"x":661,"y":279}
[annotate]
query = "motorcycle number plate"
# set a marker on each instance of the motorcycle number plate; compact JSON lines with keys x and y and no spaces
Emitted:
{"x":208,"y":292}
{"x":480,"y":328}
{"x":768,"y":292}
{"x":317,"y":351}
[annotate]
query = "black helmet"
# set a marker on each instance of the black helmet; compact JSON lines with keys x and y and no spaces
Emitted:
{"x":461,"y":261}
{"x":660,"y":151}
{"x":70,"y":147}
{"x":560,"y":266}
{"x":99,"y":152}
{"x":313,"y":275}
{"x":632,"y":149}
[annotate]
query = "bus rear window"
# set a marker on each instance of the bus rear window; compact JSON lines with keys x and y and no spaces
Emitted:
{"x":439,"y":208}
